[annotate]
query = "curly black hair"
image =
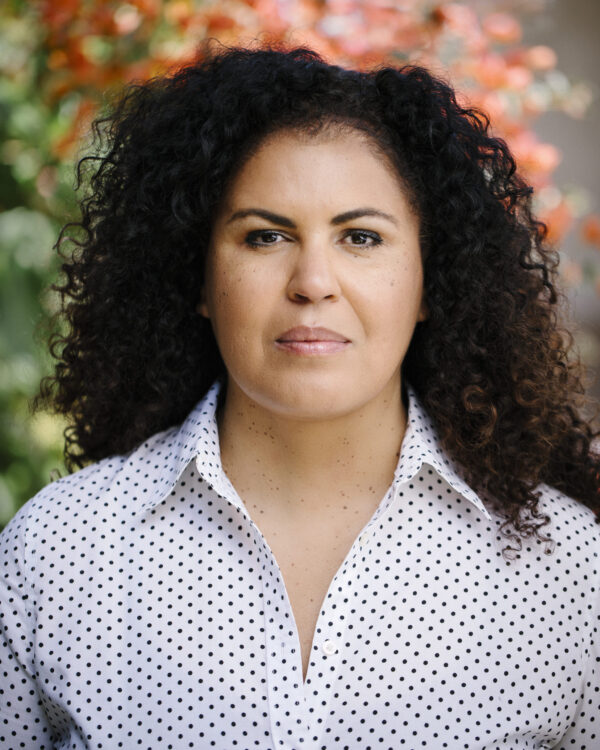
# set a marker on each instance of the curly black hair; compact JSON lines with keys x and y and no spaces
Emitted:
{"x":492,"y":363}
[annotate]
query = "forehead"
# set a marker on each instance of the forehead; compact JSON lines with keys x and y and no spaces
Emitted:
{"x":335,"y":159}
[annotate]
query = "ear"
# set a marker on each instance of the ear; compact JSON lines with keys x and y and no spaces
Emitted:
{"x":202,"y":307}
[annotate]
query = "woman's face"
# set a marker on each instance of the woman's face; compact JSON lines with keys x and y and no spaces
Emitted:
{"x":314,"y":280}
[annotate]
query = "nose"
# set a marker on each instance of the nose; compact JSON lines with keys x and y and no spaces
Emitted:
{"x":313,"y":277}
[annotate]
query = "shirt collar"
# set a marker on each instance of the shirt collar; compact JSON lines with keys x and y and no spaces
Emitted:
{"x":421,"y":445}
{"x":198,"y":438}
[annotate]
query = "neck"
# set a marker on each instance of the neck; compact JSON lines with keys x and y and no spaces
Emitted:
{"x":295,"y":467}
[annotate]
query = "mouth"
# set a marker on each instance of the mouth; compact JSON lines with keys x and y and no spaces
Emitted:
{"x":312,"y":341}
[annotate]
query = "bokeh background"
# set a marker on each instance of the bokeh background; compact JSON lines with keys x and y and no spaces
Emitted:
{"x":532,"y":65}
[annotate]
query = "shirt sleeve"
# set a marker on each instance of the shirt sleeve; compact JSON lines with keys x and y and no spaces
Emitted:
{"x":584,"y":731}
{"x":23,"y":723}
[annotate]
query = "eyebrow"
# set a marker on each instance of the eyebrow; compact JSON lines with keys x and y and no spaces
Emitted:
{"x":283,"y":221}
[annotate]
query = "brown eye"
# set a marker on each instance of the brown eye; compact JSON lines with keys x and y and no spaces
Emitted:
{"x":262,"y":237}
{"x":363,"y":238}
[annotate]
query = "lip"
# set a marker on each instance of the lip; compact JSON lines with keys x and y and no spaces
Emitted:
{"x":306,"y":333}
{"x":311,"y":341}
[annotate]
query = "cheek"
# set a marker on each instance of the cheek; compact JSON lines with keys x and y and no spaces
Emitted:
{"x":222,"y":283}
{"x":394,"y":297}
{"x":407,"y":285}
{"x":236,"y":307}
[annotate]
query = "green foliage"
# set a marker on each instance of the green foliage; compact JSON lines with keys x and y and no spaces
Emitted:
{"x":35,"y":196}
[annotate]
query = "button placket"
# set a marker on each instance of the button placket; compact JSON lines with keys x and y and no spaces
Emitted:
{"x":289,"y":721}
{"x":327,"y":648}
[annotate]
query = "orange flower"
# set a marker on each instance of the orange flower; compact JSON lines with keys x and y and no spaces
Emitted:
{"x":457,"y":17}
{"x":537,"y":160}
{"x":502,"y":28}
{"x":305,"y":12}
{"x":518,"y":77}
{"x":101,"y":20}
{"x":65,"y":146}
{"x":545,"y":157}
{"x":541,"y":57}
{"x":178,"y":13}
{"x":56,"y":14}
{"x":268,"y":16}
{"x":590,"y":230}
{"x":490,"y":71}
{"x":558,"y":221}
{"x":493,"y":106}
{"x":148,"y":8}
{"x":219,"y":21}
{"x":57,"y":59}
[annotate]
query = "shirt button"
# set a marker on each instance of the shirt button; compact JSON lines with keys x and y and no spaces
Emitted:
{"x":329,"y":647}
{"x":363,"y":539}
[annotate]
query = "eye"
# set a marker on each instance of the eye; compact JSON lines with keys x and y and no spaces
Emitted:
{"x":363,"y":238}
{"x":262,"y":237}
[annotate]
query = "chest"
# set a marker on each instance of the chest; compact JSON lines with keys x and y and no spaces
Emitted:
{"x":309,"y":557}
{"x":188,"y":622}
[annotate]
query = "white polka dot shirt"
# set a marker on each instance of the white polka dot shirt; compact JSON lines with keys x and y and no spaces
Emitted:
{"x":141,"y":607}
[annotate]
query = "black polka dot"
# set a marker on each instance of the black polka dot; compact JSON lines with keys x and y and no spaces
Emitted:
{"x":141,"y":607}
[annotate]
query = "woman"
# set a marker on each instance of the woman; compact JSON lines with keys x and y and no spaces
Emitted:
{"x":313,"y":359}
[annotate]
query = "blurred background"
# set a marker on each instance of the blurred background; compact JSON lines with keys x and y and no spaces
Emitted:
{"x":532,"y":65}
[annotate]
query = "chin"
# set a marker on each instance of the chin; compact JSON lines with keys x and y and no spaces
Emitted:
{"x":306,"y":403}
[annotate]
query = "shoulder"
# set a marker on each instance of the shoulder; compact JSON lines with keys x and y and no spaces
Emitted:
{"x":84,"y":500}
{"x":573,"y":525}
{"x":111,"y":495}
{"x":571,"y":565}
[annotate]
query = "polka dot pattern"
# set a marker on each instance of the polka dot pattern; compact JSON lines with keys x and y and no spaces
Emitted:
{"x":141,"y":607}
